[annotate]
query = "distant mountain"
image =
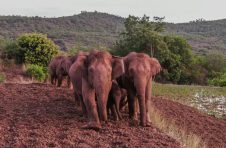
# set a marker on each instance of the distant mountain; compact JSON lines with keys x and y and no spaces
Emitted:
{"x":87,"y":28}
{"x":204,"y":36}
{"x":94,"y":29}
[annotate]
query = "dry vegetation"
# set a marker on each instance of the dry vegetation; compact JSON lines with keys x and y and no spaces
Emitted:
{"x":186,"y":139}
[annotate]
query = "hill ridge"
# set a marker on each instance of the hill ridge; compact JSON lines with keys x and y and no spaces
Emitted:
{"x":95,"y":29}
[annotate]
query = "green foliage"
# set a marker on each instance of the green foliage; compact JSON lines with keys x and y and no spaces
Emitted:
{"x":140,"y":35}
{"x":143,"y":35}
{"x":218,"y":81}
{"x":215,"y":64}
{"x":78,"y":47}
{"x":37,"y":72}
{"x":38,"y":49}
{"x":2,"y":78}
{"x":10,"y":50}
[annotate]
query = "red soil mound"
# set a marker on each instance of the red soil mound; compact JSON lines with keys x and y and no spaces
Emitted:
{"x":41,"y":115}
{"x":211,"y":130}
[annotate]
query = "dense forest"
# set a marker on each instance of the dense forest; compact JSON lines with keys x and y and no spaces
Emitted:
{"x":95,"y":29}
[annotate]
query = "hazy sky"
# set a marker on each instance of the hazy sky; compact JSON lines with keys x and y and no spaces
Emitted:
{"x":173,"y":10}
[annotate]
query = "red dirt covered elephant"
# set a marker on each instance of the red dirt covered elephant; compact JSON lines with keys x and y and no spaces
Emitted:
{"x":137,"y":80}
{"x":99,"y":68}
{"x":59,"y":68}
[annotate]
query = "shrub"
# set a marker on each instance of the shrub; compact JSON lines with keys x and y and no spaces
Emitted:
{"x":37,"y":72}
{"x":9,"y":50}
{"x":38,"y":49}
{"x":2,"y":78}
{"x":218,"y":81}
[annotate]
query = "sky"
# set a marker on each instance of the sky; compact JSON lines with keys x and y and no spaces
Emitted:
{"x":176,"y":11}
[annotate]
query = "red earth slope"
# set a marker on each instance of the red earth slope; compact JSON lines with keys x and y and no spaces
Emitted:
{"x":41,"y":115}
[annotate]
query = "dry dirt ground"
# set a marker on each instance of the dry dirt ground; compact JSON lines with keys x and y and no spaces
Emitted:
{"x":211,"y":130}
{"x":41,"y":115}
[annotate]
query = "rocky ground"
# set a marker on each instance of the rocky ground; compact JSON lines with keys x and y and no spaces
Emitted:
{"x":41,"y":115}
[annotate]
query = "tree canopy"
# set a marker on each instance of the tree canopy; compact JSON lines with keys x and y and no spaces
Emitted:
{"x":143,"y":35}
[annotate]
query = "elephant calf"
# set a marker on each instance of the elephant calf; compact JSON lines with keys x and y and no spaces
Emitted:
{"x":116,"y":100}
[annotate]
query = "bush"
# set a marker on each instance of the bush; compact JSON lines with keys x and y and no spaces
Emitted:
{"x":37,"y":72}
{"x":2,"y":78}
{"x":38,"y":49}
{"x":9,"y":50}
{"x":218,"y":81}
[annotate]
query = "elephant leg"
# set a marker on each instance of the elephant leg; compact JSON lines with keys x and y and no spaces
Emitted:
{"x":142,"y":106}
{"x":102,"y":106}
{"x":148,"y":100}
{"x":68,"y":82}
{"x":60,"y":78}
{"x":117,"y":104}
{"x":123,"y":103}
{"x":77,"y":98}
{"x":88,"y":94}
{"x":131,"y":104}
{"x":114,"y":113}
{"x":84,"y":111}
{"x":52,"y":79}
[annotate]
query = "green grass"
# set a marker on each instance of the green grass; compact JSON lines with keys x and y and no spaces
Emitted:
{"x":211,"y":100}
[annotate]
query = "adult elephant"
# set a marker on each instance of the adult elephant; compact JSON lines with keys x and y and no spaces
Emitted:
{"x":137,"y":80}
{"x":59,"y":68}
{"x":99,"y":69}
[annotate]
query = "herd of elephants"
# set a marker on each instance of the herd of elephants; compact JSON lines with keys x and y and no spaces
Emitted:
{"x":104,"y":83}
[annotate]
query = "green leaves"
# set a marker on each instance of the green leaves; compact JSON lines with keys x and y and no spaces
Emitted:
{"x":143,"y":35}
{"x":37,"y":72}
{"x":38,"y":49}
{"x":218,"y":81}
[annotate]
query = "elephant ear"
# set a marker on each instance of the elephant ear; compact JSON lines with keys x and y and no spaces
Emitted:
{"x":117,"y":67}
{"x":155,"y":66}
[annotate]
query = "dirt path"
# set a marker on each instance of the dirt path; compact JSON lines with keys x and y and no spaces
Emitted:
{"x":211,"y":130}
{"x":41,"y":115}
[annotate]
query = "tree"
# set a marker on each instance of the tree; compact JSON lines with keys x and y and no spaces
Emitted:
{"x":37,"y":48}
{"x":215,"y":64}
{"x":9,"y":49}
{"x":143,"y":35}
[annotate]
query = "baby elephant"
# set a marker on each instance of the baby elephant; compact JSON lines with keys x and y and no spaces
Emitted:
{"x":116,"y":100}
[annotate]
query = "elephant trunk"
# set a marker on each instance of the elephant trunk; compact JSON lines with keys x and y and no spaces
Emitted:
{"x":140,"y":86}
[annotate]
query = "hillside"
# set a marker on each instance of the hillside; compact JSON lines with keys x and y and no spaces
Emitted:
{"x":204,"y":36}
{"x":94,"y":29}
{"x":87,"y":28}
